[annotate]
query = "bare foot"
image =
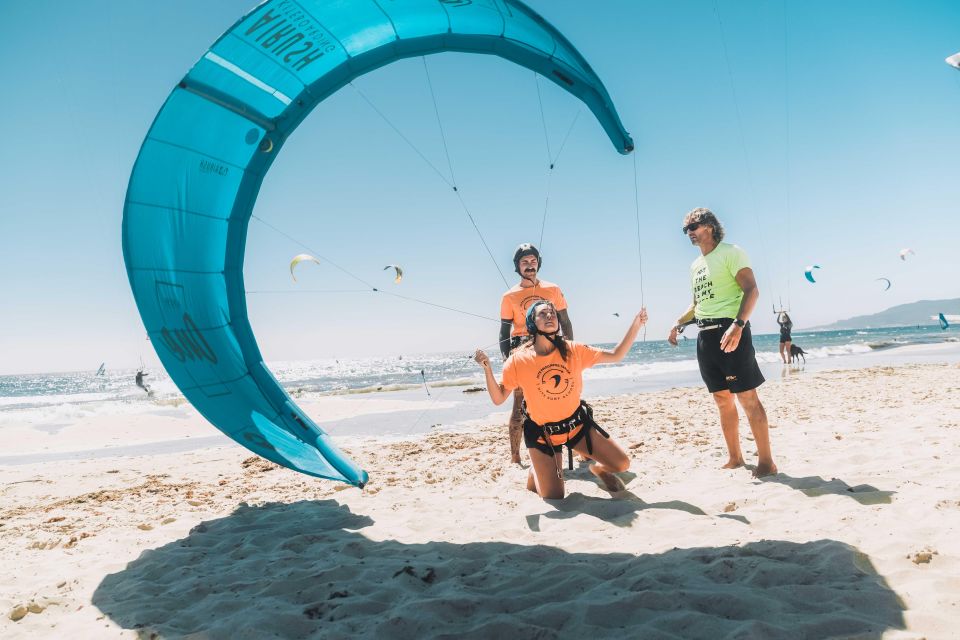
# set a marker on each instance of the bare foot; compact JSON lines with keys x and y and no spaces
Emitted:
{"x":610,"y":481}
{"x":515,"y":458}
{"x":733,"y":464}
{"x":765,"y":469}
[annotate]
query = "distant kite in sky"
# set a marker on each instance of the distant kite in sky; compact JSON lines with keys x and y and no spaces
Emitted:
{"x":808,"y":274}
{"x":399,"y":274}
{"x":616,"y":314}
{"x":887,"y":280}
{"x":904,"y":252}
{"x":954,"y":61}
{"x":298,"y":259}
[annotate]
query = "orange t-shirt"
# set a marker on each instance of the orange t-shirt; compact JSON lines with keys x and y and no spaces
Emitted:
{"x":551,"y":386}
{"x":516,"y":301}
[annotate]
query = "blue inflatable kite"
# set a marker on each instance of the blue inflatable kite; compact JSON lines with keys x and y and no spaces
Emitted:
{"x":198,"y":173}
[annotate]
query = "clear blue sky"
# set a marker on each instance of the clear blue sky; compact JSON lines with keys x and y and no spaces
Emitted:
{"x":830,"y":138}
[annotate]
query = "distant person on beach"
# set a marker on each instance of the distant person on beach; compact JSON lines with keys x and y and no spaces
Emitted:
{"x":549,"y":371}
{"x":786,"y":325}
{"x":724,"y":295}
{"x":513,"y":324}
{"x":140,"y":382}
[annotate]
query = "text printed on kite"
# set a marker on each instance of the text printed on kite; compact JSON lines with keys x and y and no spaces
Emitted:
{"x":199,"y":171}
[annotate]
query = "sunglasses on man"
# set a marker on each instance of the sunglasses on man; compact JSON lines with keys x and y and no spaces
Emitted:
{"x":693,"y":226}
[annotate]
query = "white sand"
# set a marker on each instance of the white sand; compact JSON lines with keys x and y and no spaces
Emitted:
{"x":856,"y":538}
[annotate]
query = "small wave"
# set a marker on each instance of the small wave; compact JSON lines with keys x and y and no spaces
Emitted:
{"x":886,"y":344}
{"x":459,"y":382}
{"x":611,"y":372}
{"x":68,"y":413}
{"x":851,"y":348}
{"x":841,"y":349}
{"x":32,"y":402}
{"x":373,"y":389}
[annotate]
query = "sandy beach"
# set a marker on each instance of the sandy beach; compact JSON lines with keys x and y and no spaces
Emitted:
{"x":857,"y":537}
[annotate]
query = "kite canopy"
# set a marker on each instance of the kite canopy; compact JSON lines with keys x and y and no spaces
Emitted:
{"x":398,"y":272}
{"x":906,"y":252}
{"x":953,"y":61}
{"x":297,"y":259}
{"x":199,"y":171}
{"x":887,"y":280}
{"x":808,"y":273}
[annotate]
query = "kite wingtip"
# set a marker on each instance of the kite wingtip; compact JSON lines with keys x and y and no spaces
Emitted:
{"x":362,"y":480}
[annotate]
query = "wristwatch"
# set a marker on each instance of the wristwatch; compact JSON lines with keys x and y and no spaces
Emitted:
{"x":739,"y":323}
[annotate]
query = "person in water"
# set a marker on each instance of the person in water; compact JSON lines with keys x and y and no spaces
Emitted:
{"x":786,"y":325}
{"x":139,"y":380}
{"x":549,"y":371}
{"x":513,"y":325}
{"x":724,"y":295}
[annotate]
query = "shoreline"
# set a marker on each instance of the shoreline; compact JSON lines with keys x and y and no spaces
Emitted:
{"x":391,"y":415}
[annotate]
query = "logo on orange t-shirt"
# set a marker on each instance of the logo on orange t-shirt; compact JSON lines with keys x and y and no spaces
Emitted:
{"x":554,"y":381}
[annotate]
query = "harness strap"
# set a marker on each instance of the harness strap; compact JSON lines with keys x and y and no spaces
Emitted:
{"x":582,"y":416}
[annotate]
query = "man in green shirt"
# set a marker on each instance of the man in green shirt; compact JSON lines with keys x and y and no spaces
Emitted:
{"x":724,"y":295}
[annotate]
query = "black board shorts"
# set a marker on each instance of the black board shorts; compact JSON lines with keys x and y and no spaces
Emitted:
{"x":736,"y":371}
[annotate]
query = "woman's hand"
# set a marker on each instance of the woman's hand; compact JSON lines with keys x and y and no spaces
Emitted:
{"x":497,"y":393}
{"x":482,"y":359}
{"x":641,"y":317}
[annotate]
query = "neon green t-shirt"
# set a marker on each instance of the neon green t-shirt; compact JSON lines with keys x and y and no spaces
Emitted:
{"x":713,"y":280}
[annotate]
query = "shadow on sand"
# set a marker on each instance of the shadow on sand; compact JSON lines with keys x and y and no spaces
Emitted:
{"x":815,"y":486}
{"x":303,"y":570}
{"x":620,"y":512}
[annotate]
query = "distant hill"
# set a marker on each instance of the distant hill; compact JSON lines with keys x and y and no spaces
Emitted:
{"x":902,"y":315}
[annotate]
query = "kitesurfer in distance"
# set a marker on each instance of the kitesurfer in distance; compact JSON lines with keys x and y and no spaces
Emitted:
{"x":724,"y":295}
{"x":549,"y":371}
{"x":140,"y":383}
{"x":513,"y":326}
{"x":786,"y":326}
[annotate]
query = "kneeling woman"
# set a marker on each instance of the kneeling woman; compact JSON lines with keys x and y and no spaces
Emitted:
{"x":549,"y":371}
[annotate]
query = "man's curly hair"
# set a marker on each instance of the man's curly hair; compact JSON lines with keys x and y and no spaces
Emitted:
{"x":707,"y":217}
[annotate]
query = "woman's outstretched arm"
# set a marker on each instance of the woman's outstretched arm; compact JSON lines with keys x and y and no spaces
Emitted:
{"x":497,"y":393}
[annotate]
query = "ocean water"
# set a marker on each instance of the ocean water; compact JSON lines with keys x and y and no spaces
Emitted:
{"x":51,"y":401}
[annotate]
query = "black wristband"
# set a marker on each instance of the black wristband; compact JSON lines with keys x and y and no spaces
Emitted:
{"x":739,"y":323}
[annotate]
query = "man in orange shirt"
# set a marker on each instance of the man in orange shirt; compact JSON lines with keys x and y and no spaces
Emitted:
{"x":550,"y":371}
{"x":513,"y":327}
